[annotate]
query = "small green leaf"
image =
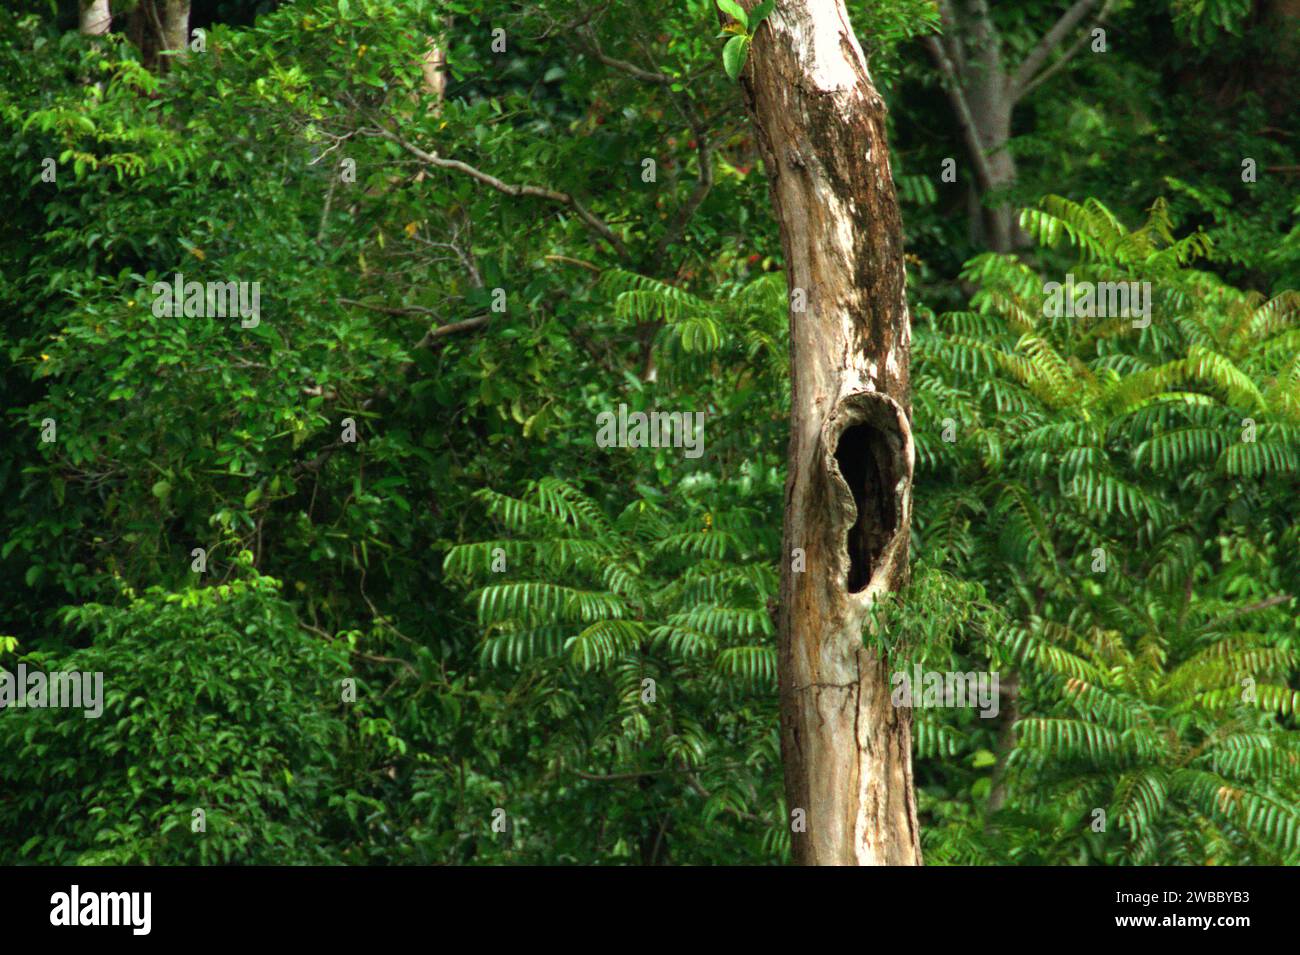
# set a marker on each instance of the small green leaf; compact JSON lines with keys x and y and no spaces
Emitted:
{"x":733,"y":55}
{"x":734,"y":10}
{"x":760,"y":13}
{"x":252,"y":497}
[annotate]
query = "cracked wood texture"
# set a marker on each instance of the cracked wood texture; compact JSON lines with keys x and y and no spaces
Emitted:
{"x":821,"y":129}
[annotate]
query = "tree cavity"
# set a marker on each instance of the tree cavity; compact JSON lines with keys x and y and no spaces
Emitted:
{"x":866,"y":458}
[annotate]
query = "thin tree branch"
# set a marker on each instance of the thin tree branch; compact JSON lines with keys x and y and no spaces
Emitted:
{"x":704,"y":182}
{"x":623,"y":66}
{"x":432,"y":335}
{"x":325,"y":210}
{"x":157,"y":23}
{"x":391,"y":309}
{"x":393,"y":661}
{"x":622,"y":777}
{"x":704,"y":148}
{"x":571,"y":261}
{"x":1050,"y":41}
{"x":454,"y":328}
{"x":951,"y":38}
{"x":538,"y":192}
{"x":1264,"y":604}
{"x":1020,"y":92}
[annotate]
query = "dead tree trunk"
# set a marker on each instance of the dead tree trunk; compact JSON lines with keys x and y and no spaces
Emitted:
{"x":821,"y":129}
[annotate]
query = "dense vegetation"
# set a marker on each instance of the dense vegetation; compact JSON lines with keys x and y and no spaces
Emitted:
{"x":472,"y":613}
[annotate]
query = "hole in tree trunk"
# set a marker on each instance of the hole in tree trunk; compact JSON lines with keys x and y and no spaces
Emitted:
{"x":865,"y":459}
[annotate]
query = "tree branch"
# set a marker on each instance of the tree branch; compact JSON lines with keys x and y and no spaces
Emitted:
{"x":704,"y":182}
{"x":538,"y":192}
{"x":439,"y":331}
{"x":391,"y":309}
{"x":1022,"y":91}
{"x":951,"y":38}
{"x":1264,"y":604}
{"x":623,"y":66}
{"x":434,"y":333}
{"x":1050,"y":41}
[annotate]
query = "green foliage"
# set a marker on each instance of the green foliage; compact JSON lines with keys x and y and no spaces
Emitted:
{"x":1138,"y":539}
{"x":214,"y":699}
{"x":927,"y":619}
{"x":662,"y":619}
{"x":741,"y":32}
{"x":1170,"y":448}
{"x":1203,"y":20}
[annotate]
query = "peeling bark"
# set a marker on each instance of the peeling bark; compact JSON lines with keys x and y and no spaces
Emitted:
{"x":821,"y":130}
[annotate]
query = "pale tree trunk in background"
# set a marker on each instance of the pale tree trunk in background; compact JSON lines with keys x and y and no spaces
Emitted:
{"x":984,"y":93}
{"x":176,"y":26}
{"x":821,"y":129}
{"x":433,"y":70}
{"x":95,"y":17}
{"x":433,"y":66}
{"x":990,"y":95}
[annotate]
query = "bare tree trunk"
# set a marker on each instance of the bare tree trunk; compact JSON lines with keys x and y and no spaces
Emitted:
{"x":140,"y":31}
{"x":1001,"y":223}
{"x":95,"y":17}
{"x":989,"y":93}
{"x":176,"y":26}
{"x":821,"y":129}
